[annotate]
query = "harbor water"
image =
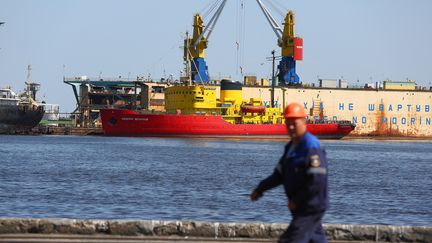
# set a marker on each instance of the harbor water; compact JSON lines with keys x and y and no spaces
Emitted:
{"x":370,"y":181}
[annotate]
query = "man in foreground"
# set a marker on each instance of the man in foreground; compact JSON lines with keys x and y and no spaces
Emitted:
{"x":302,"y":170}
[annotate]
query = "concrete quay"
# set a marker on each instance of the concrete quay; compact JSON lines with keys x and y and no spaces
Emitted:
{"x":71,"y":230}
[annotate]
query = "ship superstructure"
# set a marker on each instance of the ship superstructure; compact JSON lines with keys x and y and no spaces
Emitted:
{"x":202,"y":100}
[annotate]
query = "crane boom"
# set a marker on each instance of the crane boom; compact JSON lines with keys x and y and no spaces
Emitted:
{"x":212,"y":23}
{"x":275,"y":26}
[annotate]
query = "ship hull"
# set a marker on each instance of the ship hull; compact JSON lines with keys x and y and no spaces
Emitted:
{"x":16,"y":119}
{"x":122,"y":122}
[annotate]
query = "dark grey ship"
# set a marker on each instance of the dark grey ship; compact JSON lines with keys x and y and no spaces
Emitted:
{"x":19,"y":113}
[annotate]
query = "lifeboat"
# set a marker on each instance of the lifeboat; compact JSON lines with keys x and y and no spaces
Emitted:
{"x":253,"y":109}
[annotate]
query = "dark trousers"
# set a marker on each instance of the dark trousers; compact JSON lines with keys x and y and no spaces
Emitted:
{"x":305,"y":228}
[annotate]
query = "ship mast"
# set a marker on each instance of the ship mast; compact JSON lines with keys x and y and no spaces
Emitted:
{"x":28,"y":80}
{"x":32,"y":87}
{"x":187,"y":59}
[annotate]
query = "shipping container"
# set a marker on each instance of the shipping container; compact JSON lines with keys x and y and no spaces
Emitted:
{"x":343,"y":84}
{"x":328,"y":83}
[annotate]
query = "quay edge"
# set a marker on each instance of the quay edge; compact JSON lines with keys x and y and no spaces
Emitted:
{"x":205,"y":230}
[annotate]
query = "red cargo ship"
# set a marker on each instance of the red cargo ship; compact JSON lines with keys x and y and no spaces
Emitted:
{"x":124,"y":122}
{"x":195,"y":111}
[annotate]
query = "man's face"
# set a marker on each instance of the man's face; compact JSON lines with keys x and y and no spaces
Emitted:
{"x":296,"y":127}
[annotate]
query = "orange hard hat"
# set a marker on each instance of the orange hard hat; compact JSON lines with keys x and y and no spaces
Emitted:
{"x":294,"y":110}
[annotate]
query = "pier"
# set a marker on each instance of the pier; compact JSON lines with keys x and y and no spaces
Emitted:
{"x":71,"y":230}
{"x":78,"y":131}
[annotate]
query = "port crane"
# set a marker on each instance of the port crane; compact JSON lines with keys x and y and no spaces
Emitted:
{"x":291,"y":46}
{"x":194,"y":47}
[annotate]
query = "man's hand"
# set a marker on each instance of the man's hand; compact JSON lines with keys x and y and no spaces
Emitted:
{"x":255,"y":196}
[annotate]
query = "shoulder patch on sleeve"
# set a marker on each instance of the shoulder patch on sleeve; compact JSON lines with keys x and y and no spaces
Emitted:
{"x":315,"y":160}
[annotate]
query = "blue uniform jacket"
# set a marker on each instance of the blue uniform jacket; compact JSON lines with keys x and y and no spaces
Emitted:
{"x":303,"y":172}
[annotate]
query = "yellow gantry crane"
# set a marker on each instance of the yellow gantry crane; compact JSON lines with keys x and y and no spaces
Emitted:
{"x":194,"y":47}
{"x":291,"y":46}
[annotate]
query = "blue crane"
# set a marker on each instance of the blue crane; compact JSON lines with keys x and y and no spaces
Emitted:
{"x":194,"y":48}
{"x":292,"y":47}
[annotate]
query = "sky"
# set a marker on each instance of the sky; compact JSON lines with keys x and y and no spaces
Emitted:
{"x":363,"y":41}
